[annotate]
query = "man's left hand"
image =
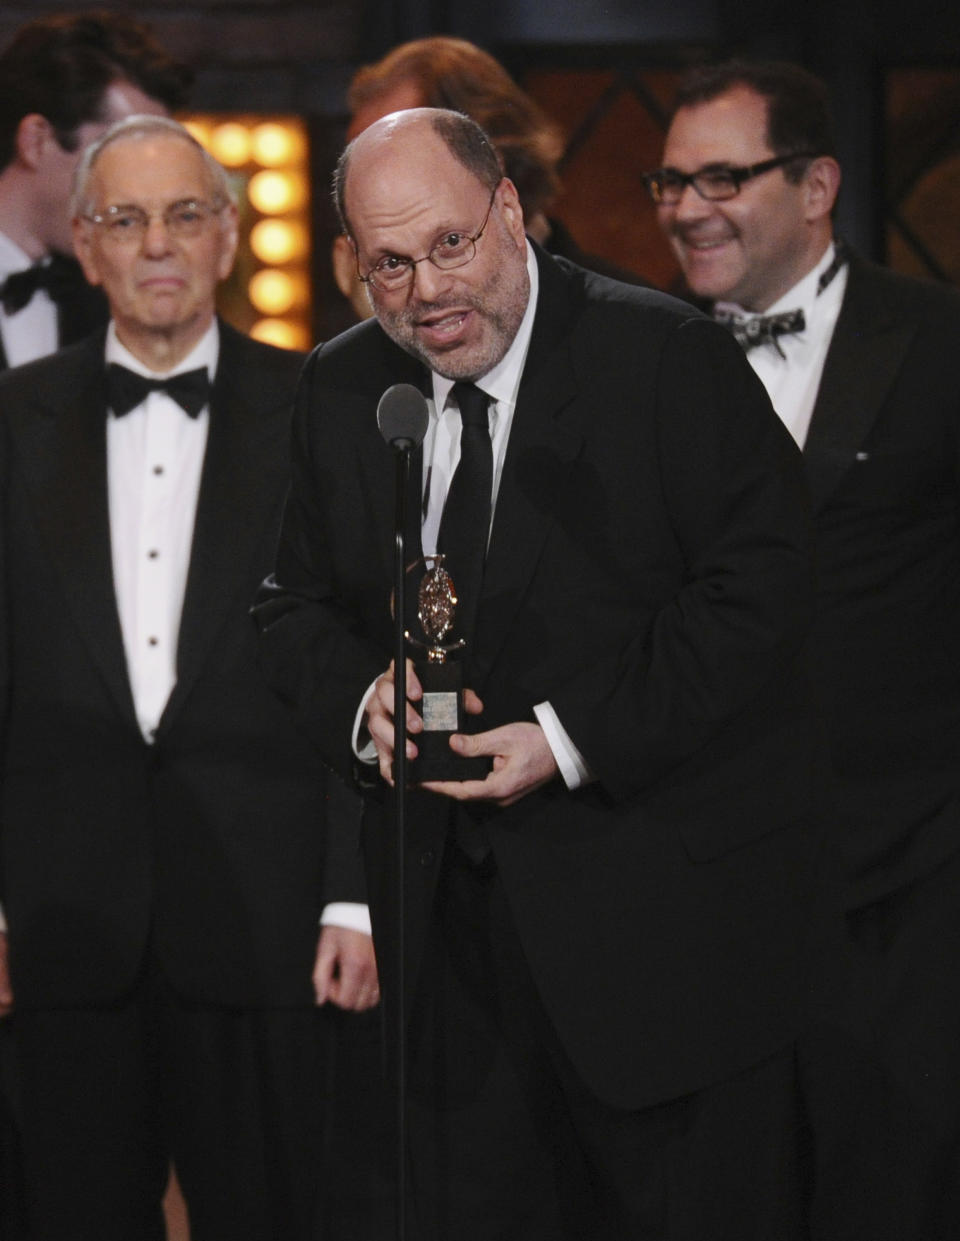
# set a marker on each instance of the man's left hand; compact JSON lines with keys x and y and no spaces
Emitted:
{"x":522,"y":762}
{"x":345,"y":970}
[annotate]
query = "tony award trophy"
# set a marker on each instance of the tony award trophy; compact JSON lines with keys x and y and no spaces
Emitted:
{"x":440,"y":673}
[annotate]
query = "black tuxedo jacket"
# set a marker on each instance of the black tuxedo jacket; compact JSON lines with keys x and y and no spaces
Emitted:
{"x":79,"y":313}
{"x":649,"y":575}
{"x":883,"y":462}
{"x":208,"y":843}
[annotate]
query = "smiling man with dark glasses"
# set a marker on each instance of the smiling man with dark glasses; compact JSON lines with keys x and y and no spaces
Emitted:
{"x":715,"y":182}
{"x":860,"y":365}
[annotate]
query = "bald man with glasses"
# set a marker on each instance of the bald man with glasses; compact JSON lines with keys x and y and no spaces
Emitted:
{"x":860,"y":364}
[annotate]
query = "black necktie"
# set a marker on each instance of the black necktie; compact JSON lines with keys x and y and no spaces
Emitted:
{"x":58,"y":276}
{"x":126,"y":389}
{"x":762,"y":329}
{"x":465,"y":524}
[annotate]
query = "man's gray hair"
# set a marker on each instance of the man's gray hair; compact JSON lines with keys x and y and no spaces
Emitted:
{"x":144,"y":126}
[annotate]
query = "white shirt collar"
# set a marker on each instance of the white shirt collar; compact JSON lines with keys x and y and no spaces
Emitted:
{"x":804,"y":292}
{"x":802,"y":296}
{"x":12,"y":258}
{"x":502,"y":382}
{"x":205,"y":352}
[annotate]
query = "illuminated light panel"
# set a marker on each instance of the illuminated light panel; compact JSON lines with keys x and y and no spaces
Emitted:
{"x":268,"y":161}
{"x":274,"y":193}
{"x":279,"y":241}
{"x":230,"y":144}
{"x":286,"y":333}
{"x":275,"y":292}
{"x":274,"y":144}
{"x":200,"y":130}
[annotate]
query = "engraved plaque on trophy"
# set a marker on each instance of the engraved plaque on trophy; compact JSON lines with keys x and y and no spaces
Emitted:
{"x":440,"y":673}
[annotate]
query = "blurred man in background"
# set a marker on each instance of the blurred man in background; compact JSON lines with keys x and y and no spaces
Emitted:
{"x":63,"y":81}
{"x":443,"y":72}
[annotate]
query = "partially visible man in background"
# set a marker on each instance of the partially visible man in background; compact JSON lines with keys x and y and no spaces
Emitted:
{"x":443,"y":72}
{"x":63,"y":81}
{"x":860,"y":364}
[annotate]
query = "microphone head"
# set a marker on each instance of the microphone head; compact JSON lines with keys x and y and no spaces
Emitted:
{"x":402,"y":416}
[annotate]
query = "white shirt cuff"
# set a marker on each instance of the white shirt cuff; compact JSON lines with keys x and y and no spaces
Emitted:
{"x":349,"y":914}
{"x":363,"y":747}
{"x":573,"y":766}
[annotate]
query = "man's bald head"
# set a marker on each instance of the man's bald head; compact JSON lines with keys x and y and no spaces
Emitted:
{"x":463,"y":138}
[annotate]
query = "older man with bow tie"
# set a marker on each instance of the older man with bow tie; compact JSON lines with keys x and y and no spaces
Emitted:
{"x":176,"y":916}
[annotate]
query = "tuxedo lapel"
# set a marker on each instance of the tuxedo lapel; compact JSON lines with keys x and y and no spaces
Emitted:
{"x":64,"y":461}
{"x":81,"y":310}
{"x":545,"y":438}
{"x":239,"y":491}
{"x":869,"y":343}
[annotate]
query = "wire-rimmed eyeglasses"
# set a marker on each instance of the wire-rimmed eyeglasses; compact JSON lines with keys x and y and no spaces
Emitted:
{"x":128,"y":224}
{"x":715,"y":182}
{"x":454,"y":249}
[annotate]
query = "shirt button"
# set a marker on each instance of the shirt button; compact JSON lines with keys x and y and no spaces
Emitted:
{"x":158,"y":469}
{"x":153,"y":553}
{"x":152,"y":641}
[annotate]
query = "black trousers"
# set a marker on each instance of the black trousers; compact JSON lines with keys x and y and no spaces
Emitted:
{"x":880,"y":1068}
{"x":110,"y":1096}
{"x":506,"y":1140}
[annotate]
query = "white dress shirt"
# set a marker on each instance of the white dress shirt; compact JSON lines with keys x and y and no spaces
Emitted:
{"x":154,"y":462}
{"x":33,"y":331}
{"x":441,"y":456}
{"x":792,"y":378}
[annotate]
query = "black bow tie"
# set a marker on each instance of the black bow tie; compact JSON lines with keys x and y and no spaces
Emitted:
{"x":59,"y":277}
{"x":126,"y":389}
{"x":762,"y":329}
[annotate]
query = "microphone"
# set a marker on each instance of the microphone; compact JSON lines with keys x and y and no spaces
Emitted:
{"x":402,"y":416}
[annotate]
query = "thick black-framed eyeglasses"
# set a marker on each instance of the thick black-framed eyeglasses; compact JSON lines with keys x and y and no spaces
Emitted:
{"x":454,"y":249}
{"x":715,"y":182}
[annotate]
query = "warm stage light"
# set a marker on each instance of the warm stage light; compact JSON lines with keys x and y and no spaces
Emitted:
{"x":279,"y":241}
{"x":275,"y":192}
{"x":275,"y":292}
{"x":230,"y":144}
{"x":268,"y":162}
{"x":200,"y":130}
{"x":281,"y":332}
{"x":273,"y":144}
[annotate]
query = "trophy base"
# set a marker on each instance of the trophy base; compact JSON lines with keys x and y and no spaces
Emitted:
{"x":443,"y":715}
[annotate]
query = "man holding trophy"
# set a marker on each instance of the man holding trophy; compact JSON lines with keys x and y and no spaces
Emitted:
{"x":606,"y":924}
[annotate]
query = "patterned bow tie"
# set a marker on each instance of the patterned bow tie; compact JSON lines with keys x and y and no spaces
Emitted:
{"x":762,"y":329}
{"x":58,"y":276}
{"x":126,"y":389}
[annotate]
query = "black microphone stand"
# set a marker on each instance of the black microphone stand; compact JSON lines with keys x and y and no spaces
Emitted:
{"x":402,"y":417}
{"x":402,"y":449}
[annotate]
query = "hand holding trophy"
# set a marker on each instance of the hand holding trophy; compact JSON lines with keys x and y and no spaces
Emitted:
{"x":440,"y":673}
